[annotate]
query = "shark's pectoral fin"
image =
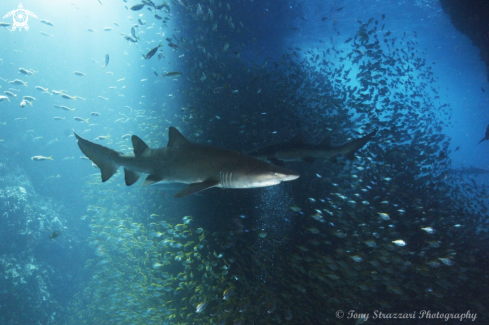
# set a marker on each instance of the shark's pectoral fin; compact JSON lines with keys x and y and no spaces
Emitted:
{"x":151,"y":179}
{"x":130,"y":176}
{"x":276,"y":161}
{"x":309,"y":159}
{"x":197,"y":187}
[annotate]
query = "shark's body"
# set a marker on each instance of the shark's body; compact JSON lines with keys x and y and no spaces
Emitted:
{"x":486,"y":136}
{"x":297,"y":150}
{"x":201,"y":166}
{"x":469,"y":171}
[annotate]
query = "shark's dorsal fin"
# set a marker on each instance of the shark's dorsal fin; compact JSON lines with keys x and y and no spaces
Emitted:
{"x":176,"y":139}
{"x":197,"y":187}
{"x":138,"y":145}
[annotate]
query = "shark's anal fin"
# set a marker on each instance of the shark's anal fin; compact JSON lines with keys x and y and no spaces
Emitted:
{"x":138,"y":145}
{"x":309,"y":159}
{"x":107,"y":170}
{"x":151,"y":179}
{"x":130,"y":176}
{"x":197,"y":187}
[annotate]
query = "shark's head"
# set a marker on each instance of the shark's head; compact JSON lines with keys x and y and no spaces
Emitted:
{"x":273,"y":178}
{"x":265,"y":175}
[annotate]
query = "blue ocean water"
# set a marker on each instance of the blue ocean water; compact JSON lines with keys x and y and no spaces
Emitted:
{"x":399,"y":229}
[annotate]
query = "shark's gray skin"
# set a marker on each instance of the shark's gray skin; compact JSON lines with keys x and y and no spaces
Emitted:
{"x":486,"y":136}
{"x":202,"y":166}
{"x":297,"y":150}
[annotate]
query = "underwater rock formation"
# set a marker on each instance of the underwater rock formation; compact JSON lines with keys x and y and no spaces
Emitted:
{"x":472,"y":19}
{"x":31,"y":284}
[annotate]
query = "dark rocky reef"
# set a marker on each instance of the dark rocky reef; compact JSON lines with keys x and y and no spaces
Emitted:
{"x":471,"y":17}
{"x":39,"y":254}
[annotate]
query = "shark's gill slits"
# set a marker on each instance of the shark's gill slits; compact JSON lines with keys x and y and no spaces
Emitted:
{"x":226,"y":179}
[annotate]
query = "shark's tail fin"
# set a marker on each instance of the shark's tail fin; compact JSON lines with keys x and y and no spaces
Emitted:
{"x":484,"y":138}
{"x":352,"y":147}
{"x":105,"y":158}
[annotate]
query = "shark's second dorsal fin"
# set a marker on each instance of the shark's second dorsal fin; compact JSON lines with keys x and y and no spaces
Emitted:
{"x":176,"y":139}
{"x":138,"y":145}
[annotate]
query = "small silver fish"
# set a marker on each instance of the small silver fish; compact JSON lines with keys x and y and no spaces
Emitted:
{"x":40,"y":158}
{"x":106,"y":61}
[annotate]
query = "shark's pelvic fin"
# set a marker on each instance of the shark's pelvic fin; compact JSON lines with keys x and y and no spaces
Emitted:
{"x":197,"y":187}
{"x":176,"y":139}
{"x":151,"y":179}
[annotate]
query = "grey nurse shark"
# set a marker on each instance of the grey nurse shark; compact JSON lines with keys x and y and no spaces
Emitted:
{"x":199,"y":165}
{"x":297,"y":150}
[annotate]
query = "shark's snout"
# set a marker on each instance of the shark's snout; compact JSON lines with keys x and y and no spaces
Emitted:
{"x":291,"y":176}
